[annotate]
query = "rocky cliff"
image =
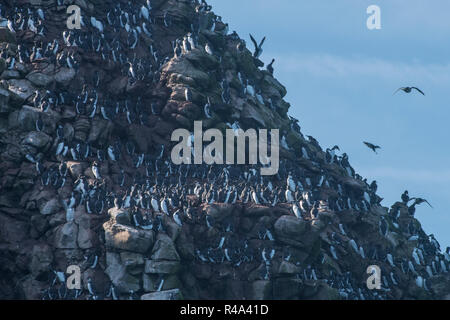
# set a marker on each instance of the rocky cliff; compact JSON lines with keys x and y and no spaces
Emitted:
{"x":86,"y":178}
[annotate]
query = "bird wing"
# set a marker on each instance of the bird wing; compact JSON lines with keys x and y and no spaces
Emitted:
{"x":254,"y":41}
{"x":262,"y":42}
{"x":418,"y":90}
{"x":372,"y":146}
{"x":402,"y":88}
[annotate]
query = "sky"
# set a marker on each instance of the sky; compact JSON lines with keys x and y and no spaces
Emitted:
{"x":341,"y":76}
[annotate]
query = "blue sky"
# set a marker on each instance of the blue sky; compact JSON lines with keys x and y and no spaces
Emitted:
{"x":340,"y":78}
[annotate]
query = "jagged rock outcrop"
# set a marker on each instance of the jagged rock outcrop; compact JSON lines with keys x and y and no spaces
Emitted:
{"x":86,"y":118}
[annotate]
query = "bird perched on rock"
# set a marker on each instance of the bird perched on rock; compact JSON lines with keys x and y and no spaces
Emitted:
{"x":297,"y":211}
{"x":95,"y":170}
{"x":373,"y":186}
{"x":405,"y":197}
{"x":187,"y":94}
{"x":207,"y":110}
{"x":240,"y":46}
{"x":208,"y":49}
{"x":270,"y":66}
{"x":372,"y":146}
{"x":408,"y":90}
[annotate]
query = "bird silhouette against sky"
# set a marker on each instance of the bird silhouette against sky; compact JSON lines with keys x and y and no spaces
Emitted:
{"x":372,"y":146}
{"x":408,"y":90}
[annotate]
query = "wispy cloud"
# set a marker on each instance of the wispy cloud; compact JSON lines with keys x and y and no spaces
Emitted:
{"x":332,"y":66}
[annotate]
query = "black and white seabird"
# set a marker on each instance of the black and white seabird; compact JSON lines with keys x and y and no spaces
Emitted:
{"x":405,"y":197}
{"x":409,"y":89}
{"x":372,"y":146}
{"x":207,"y":110}
{"x":188,"y":94}
{"x":258,"y":48}
{"x":96,"y":171}
{"x":208,"y":49}
{"x":270,"y":66}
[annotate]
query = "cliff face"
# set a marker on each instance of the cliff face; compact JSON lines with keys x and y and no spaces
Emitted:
{"x":86,"y":177}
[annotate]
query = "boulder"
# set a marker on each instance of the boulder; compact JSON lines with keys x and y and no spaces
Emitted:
{"x":12,"y":231}
{"x":20,"y":90}
{"x":439,"y":285}
{"x":288,"y":268}
{"x":162,"y":267}
{"x":291,"y":230}
{"x":40,"y":79}
{"x":200,"y":59}
{"x":27,"y":116}
{"x":68,"y":132}
{"x":4,"y":101}
{"x":178,"y":92}
{"x":7,"y":36}
{"x":37,"y":139}
{"x":286,"y":288}
{"x":10,"y":74}
{"x":41,"y":259}
{"x":219,"y":211}
{"x":50,"y":207}
{"x":183,"y":71}
{"x":87,"y":238}
{"x":258,"y":211}
{"x":357,"y":186}
{"x":325,"y":292}
{"x":260,"y":290}
{"x":118,"y":85}
{"x":39,"y":223}
{"x":123,"y":237}
{"x":81,"y":127}
{"x":251,"y":114}
{"x":121,"y":216}
{"x":131,"y":259}
{"x":151,"y":282}
{"x":31,"y":288}
{"x":174,"y":294}
{"x":272,"y":87}
{"x":98,"y":130}
{"x":185,"y":246}
{"x":164,"y":249}
{"x":141,"y":135}
{"x":64,"y":76}
{"x":122,"y":281}
{"x":66,"y":236}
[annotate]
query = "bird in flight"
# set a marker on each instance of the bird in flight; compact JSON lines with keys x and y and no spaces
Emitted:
{"x":409,"y":89}
{"x":372,"y":146}
{"x":420,"y":201}
{"x":258,"y":48}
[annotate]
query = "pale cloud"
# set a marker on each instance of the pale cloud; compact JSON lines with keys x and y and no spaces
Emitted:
{"x":332,"y":66}
{"x":408,"y":174}
{"x":419,"y":15}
